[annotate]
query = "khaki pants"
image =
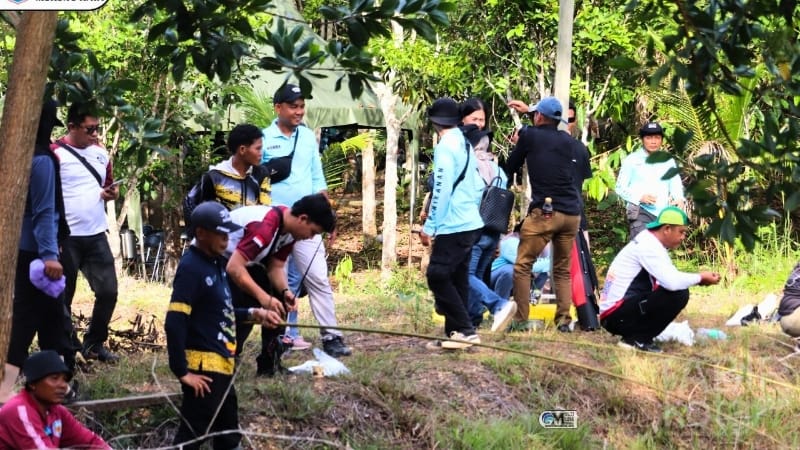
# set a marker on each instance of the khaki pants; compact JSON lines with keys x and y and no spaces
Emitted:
{"x":536,"y":232}
{"x":791,"y":324}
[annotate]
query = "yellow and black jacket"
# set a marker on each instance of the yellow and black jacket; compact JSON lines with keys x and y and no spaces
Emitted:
{"x":223,"y":184}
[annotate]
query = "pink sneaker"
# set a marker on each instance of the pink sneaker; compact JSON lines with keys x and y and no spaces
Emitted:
{"x":300,"y":344}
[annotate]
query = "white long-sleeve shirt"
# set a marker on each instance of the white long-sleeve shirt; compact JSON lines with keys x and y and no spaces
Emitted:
{"x":640,"y":267}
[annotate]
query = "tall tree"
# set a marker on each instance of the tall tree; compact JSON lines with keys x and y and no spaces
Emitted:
{"x":21,"y":111}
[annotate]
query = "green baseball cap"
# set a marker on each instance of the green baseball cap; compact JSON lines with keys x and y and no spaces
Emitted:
{"x":671,"y":215}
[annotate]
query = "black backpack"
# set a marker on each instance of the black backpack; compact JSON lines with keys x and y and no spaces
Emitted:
{"x":193,"y":198}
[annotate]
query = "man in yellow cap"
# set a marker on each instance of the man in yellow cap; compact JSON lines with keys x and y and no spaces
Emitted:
{"x":644,"y":291}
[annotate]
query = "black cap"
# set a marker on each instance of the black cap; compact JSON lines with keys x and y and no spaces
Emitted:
{"x":651,"y":128}
{"x":42,"y":364}
{"x":444,"y":111}
{"x":213,"y":216}
{"x":287,"y":94}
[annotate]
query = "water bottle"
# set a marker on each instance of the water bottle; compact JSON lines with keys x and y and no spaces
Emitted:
{"x":712,"y":333}
{"x":547,"y":208}
{"x":535,"y":295}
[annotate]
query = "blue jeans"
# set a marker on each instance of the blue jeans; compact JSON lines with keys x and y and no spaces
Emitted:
{"x":480,"y":295}
{"x":294,"y":277}
{"x":502,"y":280}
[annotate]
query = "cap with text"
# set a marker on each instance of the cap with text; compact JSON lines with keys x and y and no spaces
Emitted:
{"x":213,"y":216}
{"x":287,"y":94}
{"x":651,"y":129}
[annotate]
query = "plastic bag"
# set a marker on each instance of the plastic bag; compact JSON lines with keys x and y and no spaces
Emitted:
{"x":677,"y":331}
{"x":331,"y":366}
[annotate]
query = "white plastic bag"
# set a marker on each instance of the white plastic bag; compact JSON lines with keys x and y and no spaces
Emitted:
{"x":677,"y":331}
{"x":331,"y":366}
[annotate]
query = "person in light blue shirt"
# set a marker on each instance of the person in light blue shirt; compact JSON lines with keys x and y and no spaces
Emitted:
{"x":481,"y":296}
{"x":301,"y":176}
{"x":455,"y":223}
{"x":640,"y":183}
{"x":502,"y":276}
{"x":306,"y":176}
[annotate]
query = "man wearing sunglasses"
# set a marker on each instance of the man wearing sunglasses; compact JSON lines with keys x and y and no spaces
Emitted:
{"x":87,"y":184}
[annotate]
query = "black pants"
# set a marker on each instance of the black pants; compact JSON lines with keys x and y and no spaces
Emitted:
{"x":92,"y":256}
{"x":448,"y":279}
{"x":197,"y":413}
{"x":37,"y":313}
{"x":645,"y":317}
{"x":269,"y":336}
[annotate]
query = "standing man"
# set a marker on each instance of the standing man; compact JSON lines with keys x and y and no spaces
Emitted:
{"x":289,"y":142}
{"x":454,"y":221}
{"x":201,"y":338}
{"x":87,"y":184}
{"x":239,"y":180}
{"x":644,"y":291}
{"x":640,"y":183}
{"x":550,"y":155}
{"x":39,"y":306}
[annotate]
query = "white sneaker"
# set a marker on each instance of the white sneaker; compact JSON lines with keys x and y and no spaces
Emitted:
{"x":458,"y":341}
{"x":504,"y":316}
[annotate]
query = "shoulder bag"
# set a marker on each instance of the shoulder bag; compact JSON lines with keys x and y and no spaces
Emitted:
{"x":496,"y":205}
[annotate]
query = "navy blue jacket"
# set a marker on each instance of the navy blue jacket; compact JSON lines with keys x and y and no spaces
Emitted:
{"x":201,"y":318}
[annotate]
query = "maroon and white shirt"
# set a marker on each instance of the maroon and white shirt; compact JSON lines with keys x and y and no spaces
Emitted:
{"x":255,"y":241}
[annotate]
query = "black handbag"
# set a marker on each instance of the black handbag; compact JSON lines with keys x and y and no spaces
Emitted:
{"x":279,"y":169}
{"x":496,"y":205}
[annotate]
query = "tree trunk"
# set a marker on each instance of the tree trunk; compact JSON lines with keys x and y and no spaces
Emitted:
{"x":368,"y":206}
{"x":23,"y":106}
{"x":566,"y":13}
{"x":388,"y":101}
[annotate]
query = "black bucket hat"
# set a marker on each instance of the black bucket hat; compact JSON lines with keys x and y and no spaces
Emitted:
{"x":444,"y":111}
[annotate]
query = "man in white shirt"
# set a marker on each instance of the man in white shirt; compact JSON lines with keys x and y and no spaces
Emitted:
{"x":640,"y":183}
{"x":87,"y":184}
{"x":644,"y":291}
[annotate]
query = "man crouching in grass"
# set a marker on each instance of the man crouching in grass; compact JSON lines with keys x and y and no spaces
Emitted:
{"x":201,"y":340}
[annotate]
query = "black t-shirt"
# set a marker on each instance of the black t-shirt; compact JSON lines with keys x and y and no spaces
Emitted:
{"x":552,"y":157}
